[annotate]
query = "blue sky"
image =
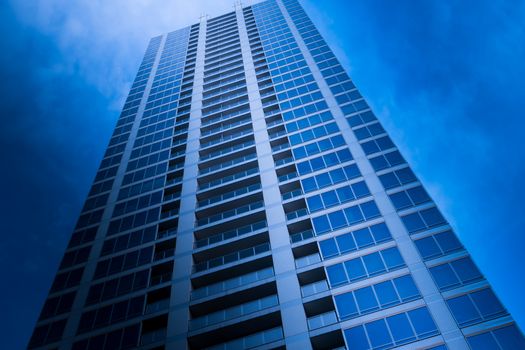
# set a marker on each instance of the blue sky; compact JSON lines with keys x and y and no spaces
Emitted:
{"x":444,"y":77}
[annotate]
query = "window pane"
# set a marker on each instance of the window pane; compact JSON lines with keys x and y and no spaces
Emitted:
{"x":389,"y":180}
{"x":466,"y":270}
{"x":345,"y":305}
{"x":400,"y":200}
{"x":321,"y":224}
{"x":392,"y":258}
{"x":336,"y":275}
{"x":400,"y":328}
{"x":487,"y":303}
{"x":345,"y":243}
{"x":406,"y":288}
{"x":406,"y":175}
{"x":309,"y":184}
{"x":510,"y":338}
{"x":373,"y":263}
{"x":328,"y":248}
{"x":337,"y":219}
{"x":356,"y":338}
{"x":378,"y":334}
{"x":483,"y":341}
{"x":355,"y":269}
{"x":463,"y":310}
{"x":413,"y":223}
{"x":448,"y":241}
{"x":353,"y":214}
{"x":427,"y":247}
{"x":363,"y":238}
{"x":432,"y":217}
{"x":380,"y":232}
{"x":422,"y":322}
{"x":314,"y":203}
{"x":386,"y":293}
{"x":444,"y":276}
{"x":329,"y":199}
{"x":370,"y":210}
{"x":366,"y":299}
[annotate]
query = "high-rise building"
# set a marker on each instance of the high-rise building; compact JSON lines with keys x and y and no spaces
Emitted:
{"x":249,"y":198}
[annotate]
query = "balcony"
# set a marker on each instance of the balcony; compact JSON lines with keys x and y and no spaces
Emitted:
{"x":232,"y":283}
{"x":230,"y":213}
{"x":314,"y":288}
{"x":229,"y":178}
{"x":307,"y":260}
{"x":233,"y":312}
{"x":322,"y":320}
{"x":232,"y":257}
{"x":230,"y":234}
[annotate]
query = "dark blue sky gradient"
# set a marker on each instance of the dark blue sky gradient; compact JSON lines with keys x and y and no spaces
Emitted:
{"x":445,"y":78}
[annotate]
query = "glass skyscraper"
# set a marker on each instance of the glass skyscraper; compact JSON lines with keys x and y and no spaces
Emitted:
{"x":250,"y":199}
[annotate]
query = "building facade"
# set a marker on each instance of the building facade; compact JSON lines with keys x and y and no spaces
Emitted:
{"x":249,"y":198}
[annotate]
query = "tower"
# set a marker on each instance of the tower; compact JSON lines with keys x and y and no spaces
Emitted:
{"x":249,"y":198}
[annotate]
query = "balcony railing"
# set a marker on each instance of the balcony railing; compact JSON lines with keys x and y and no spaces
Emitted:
{"x":307,"y":260}
{"x":232,"y":283}
{"x":296,"y":214}
{"x":228,"y":150}
{"x":234,"y":312}
{"x":226,"y":138}
{"x":292,"y":194}
{"x":231,"y":234}
{"x":322,"y":320}
{"x":287,"y":177}
{"x":301,"y":236}
{"x":228,"y":163}
{"x":229,"y":178}
{"x":314,"y":288}
{"x":229,"y":213}
{"x":232,"y":257}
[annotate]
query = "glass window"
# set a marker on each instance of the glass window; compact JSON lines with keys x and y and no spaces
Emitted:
{"x":338,"y":175}
{"x":487,"y":303}
{"x":427,"y":247}
{"x":406,"y":288}
{"x":355,"y":269}
{"x":378,"y":334}
{"x":406,"y":175}
{"x":370,"y":209}
{"x":466,"y":270}
{"x":321,"y":224}
{"x":314,"y":203}
{"x":418,"y":195}
{"x":483,"y":341}
{"x":337,"y":219}
{"x":328,"y":248}
{"x":389,"y":180}
{"x":392,"y":258}
{"x":345,"y":305}
{"x":400,"y":200}
{"x":309,"y":184}
{"x":360,"y":189}
{"x":444,"y":276}
{"x":463,"y":310}
{"x":329,"y":199}
{"x":386,"y":293}
{"x":353,"y":214}
{"x":323,"y":180}
{"x":356,"y":338}
{"x":345,"y":194}
{"x":400,"y":328}
{"x":413,"y":222}
{"x":336,"y":275}
{"x":363,"y":238}
{"x":422,"y":322}
{"x":380,"y":232}
{"x":345,"y":243}
{"x":448,"y":241}
{"x":373,"y":263}
{"x":366,"y":299}
{"x":510,"y":338}
{"x":432,"y":217}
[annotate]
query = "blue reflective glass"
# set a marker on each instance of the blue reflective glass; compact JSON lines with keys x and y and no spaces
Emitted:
{"x":378,"y":334}
{"x":386,"y":293}
{"x":418,"y":195}
{"x":329,"y":199}
{"x":406,"y":175}
{"x":314,"y":203}
{"x":363,"y":238}
{"x":427,"y":247}
{"x":336,"y":275}
{"x":466,"y":270}
{"x":338,"y":175}
{"x":510,"y":338}
{"x":345,"y":305}
{"x":345,"y":194}
{"x":317,"y":163}
{"x":360,"y":189}
{"x":463,"y":310}
{"x":356,"y":338}
{"x":321,"y":224}
{"x":366,"y":299}
{"x":309,"y":185}
{"x":323,"y":180}
{"x":389,"y":180}
{"x":422,"y":322}
{"x":353,"y":214}
{"x":337,"y":219}
{"x":448,"y":241}
{"x":444,"y":276}
{"x":406,"y":288}
{"x":400,"y":328}
{"x":328,"y":248}
{"x":373,"y":263}
{"x":487,"y":303}
{"x":432,"y":217}
{"x":345,"y":243}
{"x":370,"y":210}
{"x":413,"y":222}
{"x":392,"y":258}
{"x":380,"y":232}
{"x":355,"y":269}
{"x":483,"y":341}
{"x":400,"y":200}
